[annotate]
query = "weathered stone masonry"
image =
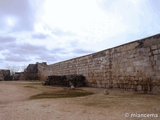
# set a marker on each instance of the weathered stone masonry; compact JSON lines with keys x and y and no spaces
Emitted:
{"x":4,"y":74}
{"x":135,"y":65}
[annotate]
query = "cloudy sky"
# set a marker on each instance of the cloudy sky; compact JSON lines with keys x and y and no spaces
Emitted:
{"x":55,"y":30}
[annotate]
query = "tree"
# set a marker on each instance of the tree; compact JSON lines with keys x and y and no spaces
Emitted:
{"x":12,"y":69}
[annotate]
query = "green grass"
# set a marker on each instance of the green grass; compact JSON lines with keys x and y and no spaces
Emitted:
{"x":62,"y":94}
{"x":117,"y":99}
{"x":102,"y":103}
{"x":29,"y":86}
{"x":35,"y":83}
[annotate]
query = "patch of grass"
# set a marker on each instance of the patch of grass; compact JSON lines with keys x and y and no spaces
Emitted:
{"x":28,"y":86}
{"x":101,"y":103}
{"x":35,"y":83}
{"x":45,"y":106}
{"x":116,"y":100}
{"x":62,"y":94}
{"x":91,"y":104}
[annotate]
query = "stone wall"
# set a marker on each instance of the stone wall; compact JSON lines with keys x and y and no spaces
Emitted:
{"x":31,"y":72}
{"x":43,"y":70}
{"x":19,"y":76}
{"x":134,"y":65}
{"x":36,"y":71}
{"x":5,"y":75}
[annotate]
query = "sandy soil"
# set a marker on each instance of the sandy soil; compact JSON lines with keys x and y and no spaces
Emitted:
{"x":16,"y":105}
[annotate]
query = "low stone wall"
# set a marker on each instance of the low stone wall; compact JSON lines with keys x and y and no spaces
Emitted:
{"x":134,"y":65}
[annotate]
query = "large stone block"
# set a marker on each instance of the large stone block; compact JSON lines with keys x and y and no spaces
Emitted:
{"x":155,"y":57}
{"x":156,"y":90}
{"x":158,"y":82}
{"x":153,"y":47}
{"x":138,"y":63}
{"x":139,"y":87}
{"x":148,"y":49}
{"x":135,"y":82}
{"x":129,"y":69}
{"x":158,"y":62}
{"x":155,"y":52}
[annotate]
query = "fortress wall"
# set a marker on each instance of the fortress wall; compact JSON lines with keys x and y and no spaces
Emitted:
{"x":134,"y":65}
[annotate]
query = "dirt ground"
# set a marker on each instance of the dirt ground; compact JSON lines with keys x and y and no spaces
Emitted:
{"x":118,"y":105}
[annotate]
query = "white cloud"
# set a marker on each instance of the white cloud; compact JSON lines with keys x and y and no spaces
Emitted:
{"x":92,"y":22}
{"x":71,"y":28}
{"x":11,"y":21}
{"x":83,"y":18}
{"x":136,"y":2}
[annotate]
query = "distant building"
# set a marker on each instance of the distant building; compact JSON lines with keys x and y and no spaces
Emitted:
{"x":5,"y":75}
{"x":32,"y":72}
{"x":18,"y":76}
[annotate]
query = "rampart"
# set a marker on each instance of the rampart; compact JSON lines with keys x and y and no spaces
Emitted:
{"x":135,"y":65}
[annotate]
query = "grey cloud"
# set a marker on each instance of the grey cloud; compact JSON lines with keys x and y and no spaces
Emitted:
{"x":155,"y":6}
{"x":1,"y":60}
{"x":82,"y":51}
{"x":59,"y":50}
{"x":74,"y":43}
{"x":28,"y":49}
{"x":23,"y":52}
{"x":21,"y":10}
{"x":39,"y":36}
{"x":55,"y":55}
{"x":60,"y":32}
{"x":12,"y":57}
{"x":4,"y":40}
{"x":108,"y":5}
{"x":16,"y":58}
{"x":47,"y":58}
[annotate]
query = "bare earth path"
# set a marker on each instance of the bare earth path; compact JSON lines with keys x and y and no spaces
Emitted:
{"x":11,"y":92}
{"x":15,"y":104}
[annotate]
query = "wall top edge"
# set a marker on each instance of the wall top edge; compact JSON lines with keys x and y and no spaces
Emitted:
{"x":142,"y":39}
